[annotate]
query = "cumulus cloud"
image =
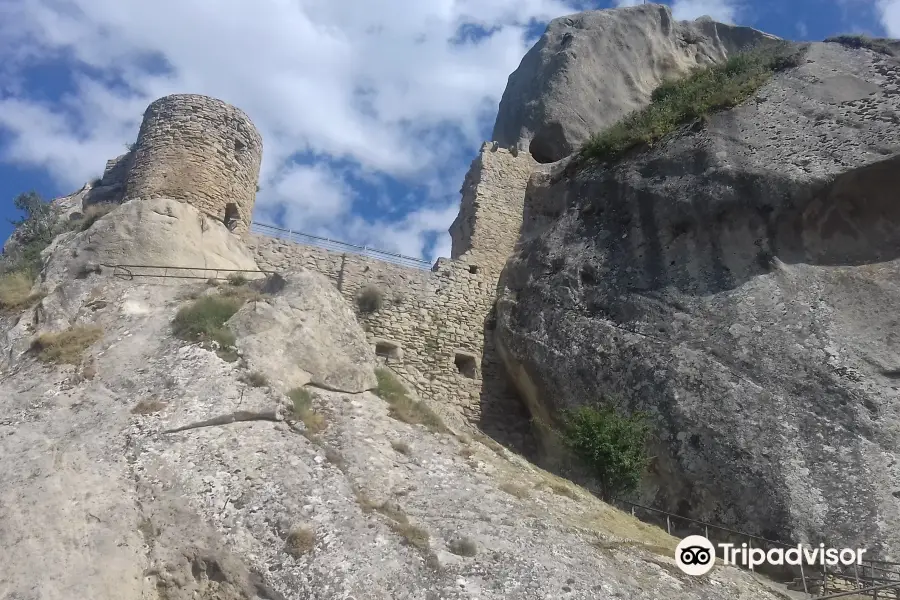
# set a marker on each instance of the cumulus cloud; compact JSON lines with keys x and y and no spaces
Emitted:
{"x":389,"y":87}
{"x":889,"y":11}
{"x":724,"y":11}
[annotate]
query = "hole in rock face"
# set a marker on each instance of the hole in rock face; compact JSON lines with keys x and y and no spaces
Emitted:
{"x":465,"y":364}
{"x":473,"y":269}
{"x":387,"y":349}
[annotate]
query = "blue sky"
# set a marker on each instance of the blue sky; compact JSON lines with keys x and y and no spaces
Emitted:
{"x":371,"y":110}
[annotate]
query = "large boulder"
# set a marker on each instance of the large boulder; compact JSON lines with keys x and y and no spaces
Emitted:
{"x":159,"y":232}
{"x":741,"y":281}
{"x":306,"y":333}
{"x":590,"y":69}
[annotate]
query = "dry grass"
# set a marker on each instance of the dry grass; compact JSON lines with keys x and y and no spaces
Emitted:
{"x":300,"y":541}
{"x":15,"y":291}
{"x":302,"y":399}
{"x":491,"y":443}
{"x":66,"y":347}
{"x":148,"y":406}
{"x":402,"y":407}
{"x":94,"y":212}
{"x":255,"y":379}
{"x":463,"y":547}
{"x":879,"y":45}
{"x":237,"y":279}
{"x":514,"y":489}
{"x":401,"y":447}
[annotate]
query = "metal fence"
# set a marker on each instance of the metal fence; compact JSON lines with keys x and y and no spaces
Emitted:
{"x":336,"y":246}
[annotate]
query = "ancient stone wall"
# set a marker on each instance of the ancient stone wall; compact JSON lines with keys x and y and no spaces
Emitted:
{"x":200,"y":150}
{"x":490,"y":214}
{"x":435,"y":327}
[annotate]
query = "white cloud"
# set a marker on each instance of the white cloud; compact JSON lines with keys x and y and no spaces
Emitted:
{"x":378,"y":84}
{"x":724,"y":11}
{"x":889,"y":11}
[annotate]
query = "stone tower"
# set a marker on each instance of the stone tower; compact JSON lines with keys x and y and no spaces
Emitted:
{"x":200,"y":150}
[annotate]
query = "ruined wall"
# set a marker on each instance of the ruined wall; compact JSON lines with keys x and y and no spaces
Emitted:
{"x":490,"y":214}
{"x":200,"y":150}
{"x":435,"y":327}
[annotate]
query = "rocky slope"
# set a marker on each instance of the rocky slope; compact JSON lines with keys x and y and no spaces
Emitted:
{"x":151,"y":468}
{"x":739,"y":280}
{"x":590,"y":69}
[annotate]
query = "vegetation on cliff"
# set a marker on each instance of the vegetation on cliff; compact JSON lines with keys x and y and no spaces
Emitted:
{"x":612,"y":445}
{"x":675,"y":103}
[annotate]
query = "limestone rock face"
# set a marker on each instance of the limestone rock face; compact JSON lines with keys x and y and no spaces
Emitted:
{"x":740,"y":281}
{"x":590,"y":69}
{"x":155,"y":232}
{"x":307,"y":334}
{"x":135,"y":456}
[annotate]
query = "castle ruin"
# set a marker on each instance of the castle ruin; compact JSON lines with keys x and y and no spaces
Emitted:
{"x":433,"y":327}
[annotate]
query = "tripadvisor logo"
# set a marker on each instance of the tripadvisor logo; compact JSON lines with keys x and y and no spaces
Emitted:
{"x":696,"y":555}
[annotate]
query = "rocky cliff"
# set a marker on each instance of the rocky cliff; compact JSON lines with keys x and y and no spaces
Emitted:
{"x":739,"y":280}
{"x":138,"y":465}
{"x":590,"y":69}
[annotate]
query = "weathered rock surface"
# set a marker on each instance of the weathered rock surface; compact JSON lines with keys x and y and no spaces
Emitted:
{"x":307,"y":334}
{"x":590,"y":69}
{"x":100,"y":498}
{"x":160,"y":232}
{"x":740,"y":281}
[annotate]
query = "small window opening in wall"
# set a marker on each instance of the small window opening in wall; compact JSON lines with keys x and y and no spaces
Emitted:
{"x":387,"y":349}
{"x":465,"y":363}
{"x":473,"y":269}
{"x":239,"y":145}
{"x":231,"y":216}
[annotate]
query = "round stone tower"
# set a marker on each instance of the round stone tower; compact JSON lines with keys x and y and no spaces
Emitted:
{"x":202,"y":151}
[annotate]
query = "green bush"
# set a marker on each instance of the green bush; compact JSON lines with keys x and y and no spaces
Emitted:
{"x":204,"y":320}
{"x":611,"y":445}
{"x":370,"y":299}
{"x":879,"y":45}
{"x":706,"y":90}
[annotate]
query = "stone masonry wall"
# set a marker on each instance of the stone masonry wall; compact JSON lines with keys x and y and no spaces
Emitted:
{"x":490,"y":214}
{"x":436,"y":326}
{"x":200,"y":150}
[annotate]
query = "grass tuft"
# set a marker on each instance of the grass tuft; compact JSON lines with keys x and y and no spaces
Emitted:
{"x":148,"y":406}
{"x":15,"y":291}
{"x":237,"y":279}
{"x":302,"y":399}
{"x":300,"y":541}
{"x":675,"y":103}
{"x":370,"y":299}
{"x":401,"y":447}
{"x":204,"y":320}
{"x":879,"y":45}
{"x":256,"y":379}
{"x":514,"y":489}
{"x":93,"y":212}
{"x":402,"y":407}
{"x":463,"y":547}
{"x":66,"y":347}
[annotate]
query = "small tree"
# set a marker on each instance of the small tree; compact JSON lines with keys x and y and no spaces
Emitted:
{"x":34,"y":232}
{"x":613,"y":446}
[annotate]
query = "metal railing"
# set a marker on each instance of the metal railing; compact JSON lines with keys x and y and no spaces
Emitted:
{"x":336,"y":246}
{"x":867,"y":579}
{"x":129,"y":272}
